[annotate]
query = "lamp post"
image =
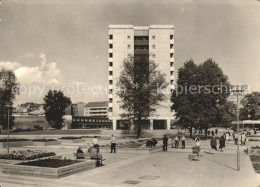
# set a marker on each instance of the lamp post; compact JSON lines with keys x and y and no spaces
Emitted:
{"x":238,"y":90}
{"x":8,"y":124}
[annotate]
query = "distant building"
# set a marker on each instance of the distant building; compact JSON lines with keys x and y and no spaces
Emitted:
{"x":96,"y":109}
{"x":29,"y":108}
{"x":76,"y":109}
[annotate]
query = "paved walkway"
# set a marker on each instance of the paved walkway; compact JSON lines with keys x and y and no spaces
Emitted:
{"x":172,"y":168}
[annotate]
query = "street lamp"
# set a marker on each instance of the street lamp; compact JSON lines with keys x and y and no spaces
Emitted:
{"x":238,"y":90}
{"x":8,"y":106}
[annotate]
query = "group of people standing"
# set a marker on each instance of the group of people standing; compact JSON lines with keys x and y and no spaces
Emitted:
{"x":95,"y":145}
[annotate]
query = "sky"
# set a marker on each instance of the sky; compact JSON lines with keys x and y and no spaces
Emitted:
{"x":50,"y":44}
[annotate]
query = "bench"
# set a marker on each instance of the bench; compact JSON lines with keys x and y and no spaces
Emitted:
{"x":96,"y":156}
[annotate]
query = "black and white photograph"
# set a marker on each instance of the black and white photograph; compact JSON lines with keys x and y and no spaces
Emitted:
{"x":129,"y":93}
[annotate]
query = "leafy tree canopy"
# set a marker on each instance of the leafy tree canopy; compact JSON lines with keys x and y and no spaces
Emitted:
{"x":54,"y":106}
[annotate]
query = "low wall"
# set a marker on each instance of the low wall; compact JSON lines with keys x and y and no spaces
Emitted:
{"x":49,"y":172}
{"x":144,"y":151}
{"x":46,"y":143}
{"x":72,"y":140}
{"x":16,"y":144}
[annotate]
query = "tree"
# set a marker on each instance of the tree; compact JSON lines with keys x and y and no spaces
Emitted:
{"x":9,"y":88}
{"x":201,"y":92}
{"x":138,"y":83}
{"x":182,"y":100}
{"x":54,"y":106}
{"x":251,"y":107}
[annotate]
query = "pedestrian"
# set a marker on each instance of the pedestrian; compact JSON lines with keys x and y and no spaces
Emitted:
{"x":221,"y":143}
{"x":236,"y":138}
{"x":213,"y":143}
{"x":113,"y":144}
{"x":183,"y":139}
{"x":243,"y":139}
{"x":216,"y":131}
{"x":227,"y":136}
{"x":212,"y":133}
{"x":165,"y":143}
{"x":208,"y":132}
{"x":176,"y":141}
{"x":197,"y":139}
{"x":255,"y":131}
{"x":95,"y":143}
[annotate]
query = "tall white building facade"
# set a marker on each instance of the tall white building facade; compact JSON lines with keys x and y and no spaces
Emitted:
{"x":155,"y":40}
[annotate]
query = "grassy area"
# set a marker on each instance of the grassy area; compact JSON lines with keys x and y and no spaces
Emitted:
{"x":28,"y":122}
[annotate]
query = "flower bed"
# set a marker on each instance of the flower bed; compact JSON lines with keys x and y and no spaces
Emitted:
{"x":45,"y":142}
{"x":254,"y":154}
{"x":49,"y":163}
{"x":70,"y":138}
{"x":49,"y":168}
{"x":26,"y":155}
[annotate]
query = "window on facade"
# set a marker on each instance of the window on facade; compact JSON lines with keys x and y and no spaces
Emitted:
{"x":111,"y":64}
{"x":171,"y":36}
{"x":153,"y":46}
{"x":110,"y":72}
{"x":171,"y":82}
{"x":153,"y":37}
{"x":110,"y":100}
{"x":171,"y":46}
{"x":110,"y":91}
{"x":129,"y":55}
{"x":128,"y":46}
{"x":171,"y":55}
{"x":153,"y":55}
{"x":171,"y":72}
{"x":110,"y":109}
{"x":110,"y":82}
{"x":110,"y":46}
{"x":128,"y":37}
{"x":171,"y":64}
{"x":111,"y":37}
{"x":110,"y":55}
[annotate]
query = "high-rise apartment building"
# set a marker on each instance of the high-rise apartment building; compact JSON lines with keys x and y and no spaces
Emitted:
{"x":129,"y":40}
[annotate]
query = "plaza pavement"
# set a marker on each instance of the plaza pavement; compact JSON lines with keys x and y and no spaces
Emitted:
{"x":172,"y":168}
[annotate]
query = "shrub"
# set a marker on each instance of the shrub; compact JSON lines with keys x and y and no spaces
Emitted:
{"x":37,"y":127}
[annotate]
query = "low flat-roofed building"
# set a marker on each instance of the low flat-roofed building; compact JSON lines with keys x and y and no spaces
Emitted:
{"x":96,"y":109}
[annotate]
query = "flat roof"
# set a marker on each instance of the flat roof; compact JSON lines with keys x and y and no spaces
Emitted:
{"x":97,"y":104}
{"x":141,"y":27}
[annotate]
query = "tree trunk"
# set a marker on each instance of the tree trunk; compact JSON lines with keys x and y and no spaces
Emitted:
{"x":206,"y":133}
{"x":190,"y":132}
{"x":139,"y":127}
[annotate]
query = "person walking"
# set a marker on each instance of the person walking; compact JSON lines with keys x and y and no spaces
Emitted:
{"x":176,"y":141}
{"x":212,"y":133}
{"x":95,"y":143}
{"x":221,"y":143}
{"x":216,"y":131}
{"x":243,"y":139}
{"x":113,"y":144}
{"x":213,"y":143}
{"x":236,"y":138}
{"x":208,"y":132}
{"x":165,"y":143}
{"x":183,"y":139}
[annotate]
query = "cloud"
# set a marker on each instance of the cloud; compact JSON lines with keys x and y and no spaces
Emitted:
{"x":45,"y":73}
{"x":10,"y":65}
